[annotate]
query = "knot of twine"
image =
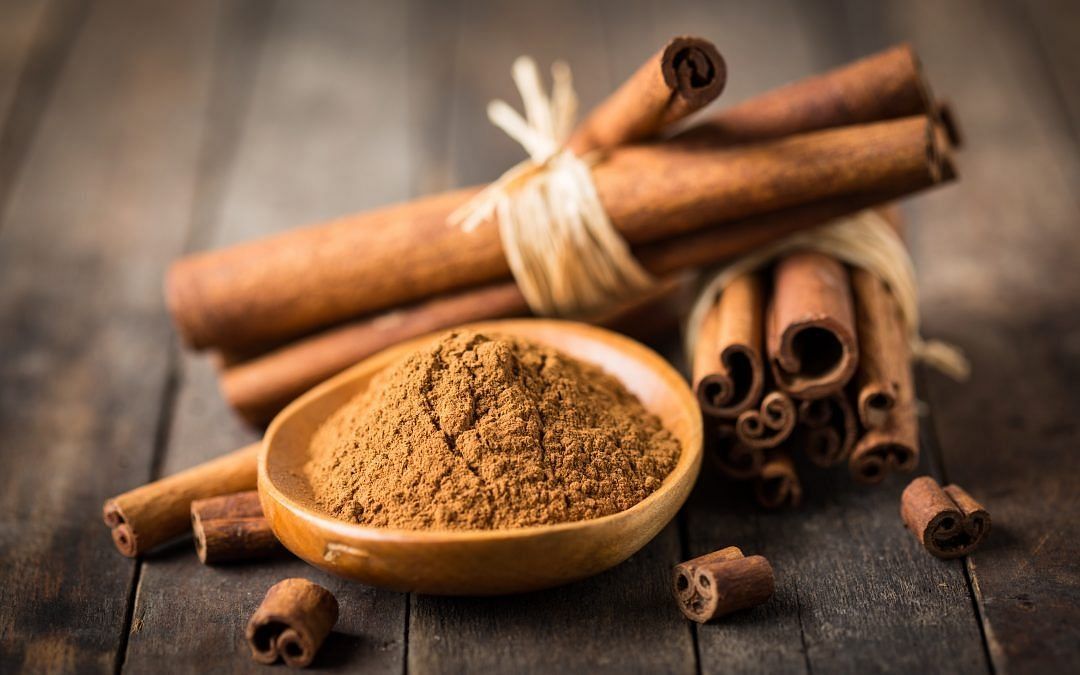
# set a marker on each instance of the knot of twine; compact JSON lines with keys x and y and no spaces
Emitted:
{"x":864,"y":240}
{"x":566,"y":256}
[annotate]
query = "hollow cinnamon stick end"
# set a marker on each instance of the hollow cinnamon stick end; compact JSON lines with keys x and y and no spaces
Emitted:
{"x":291,"y":623}
{"x":720,"y":583}
{"x":948,"y":522}
{"x":122,"y":535}
{"x":778,"y":484}
{"x":694,"y":69}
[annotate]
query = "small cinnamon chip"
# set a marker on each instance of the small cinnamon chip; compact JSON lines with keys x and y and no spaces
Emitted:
{"x":948,"y":521}
{"x":720,"y":583}
{"x":291,"y":623}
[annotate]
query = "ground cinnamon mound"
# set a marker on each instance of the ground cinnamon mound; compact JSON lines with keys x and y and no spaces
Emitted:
{"x":483,"y":432}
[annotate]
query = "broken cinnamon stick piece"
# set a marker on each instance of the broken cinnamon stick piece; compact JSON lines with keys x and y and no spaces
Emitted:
{"x":778,"y":484}
{"x":884,"y":366}
{"x":769,"y":425}
{"x":157,"y":512}
{"x":232,"y":527}
{"x":680,"y":79}
{"x":828,"y":429}
{"x":291,"y":622}
{"x":948,"y":119}
{"x":731,"y":456}
{"x":948,"y":522}
{"x":810,"y":335}
{"x":729,"y":373}
{"x":720,"y":583}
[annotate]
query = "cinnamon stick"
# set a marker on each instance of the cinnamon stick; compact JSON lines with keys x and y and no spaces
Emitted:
{"x":810,"y":331}
{"x":769,"y":425}
{"x":948,"y":522}
{"x":827,"y":429}
{"x":160,"y":511}
{"x":731,"y":456}
{"x":232,"y":527}
{"x":680,"y":79}
{"x":292,"y":283}
{"x":778,"y":484}
{"x":722,"y":582}
{"x":886,"y":85}
{"x":729,"y":374}
{"x":291,"y":623}
{"x":892,"y":448}
{"x":950,"y":122}
{"x":884,"y":366}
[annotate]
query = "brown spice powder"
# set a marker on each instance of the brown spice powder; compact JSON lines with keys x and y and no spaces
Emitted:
{"x":479,"y":432}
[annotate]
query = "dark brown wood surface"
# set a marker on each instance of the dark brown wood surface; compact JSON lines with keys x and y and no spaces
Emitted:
{"x":132,"y":132}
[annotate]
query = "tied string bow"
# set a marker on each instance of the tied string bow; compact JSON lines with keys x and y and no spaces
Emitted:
{"x":566,"y":256}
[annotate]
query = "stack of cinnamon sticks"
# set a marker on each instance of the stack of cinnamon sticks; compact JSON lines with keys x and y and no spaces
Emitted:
{"x":286,"y":312}
{"x":808,"y":358}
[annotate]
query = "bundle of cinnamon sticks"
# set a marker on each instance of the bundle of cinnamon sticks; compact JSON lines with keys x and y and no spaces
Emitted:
{"x":286,"y":312}
{"x":807,"y":359}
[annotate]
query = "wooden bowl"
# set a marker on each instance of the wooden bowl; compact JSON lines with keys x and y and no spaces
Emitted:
{"x":479,"y":562}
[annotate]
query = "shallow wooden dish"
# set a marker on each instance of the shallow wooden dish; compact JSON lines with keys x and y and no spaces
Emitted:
{"x":485,"y":562}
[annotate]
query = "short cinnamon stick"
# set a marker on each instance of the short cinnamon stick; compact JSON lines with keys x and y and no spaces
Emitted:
{"x":770,"y":424}
{"x":157,"y":512}
{"x":886,"y":85}
{"x":722,"y":582}
{"x":291,"y":623}
{"x":680,"y":79}
{"x":729,"y":373}
{"x":948,"y":522}
{"x":810,"y":331}
{"x":778,"y":484}
{"x":730,"y":455}
{"x":828,"y":429}
{"x":232,"y":527}
{"x":282,"y":286}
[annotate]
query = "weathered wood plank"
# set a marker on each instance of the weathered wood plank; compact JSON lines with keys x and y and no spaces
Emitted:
{"x":35,"y":41}
{"x":1055,"y":23}
{"x":326,"y":133}
{"x":620,"y":621}
{"x":997,"y":262}
{"x":99,"y":207}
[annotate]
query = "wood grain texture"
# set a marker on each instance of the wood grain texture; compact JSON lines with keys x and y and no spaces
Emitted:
{"x":1054,"y":23}
{"x":300,"y":152}
{"x":1005,"y":241}
{"x":99,"y":207}
{"x":36,"y":37}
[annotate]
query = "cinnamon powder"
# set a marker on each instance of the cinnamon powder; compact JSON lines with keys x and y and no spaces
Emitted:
{"x":483,"y":432}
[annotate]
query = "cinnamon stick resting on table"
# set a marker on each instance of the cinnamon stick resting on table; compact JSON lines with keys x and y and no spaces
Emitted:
{"x":729,"y":373}
{"x":282,"y":286}
{"x":720,"y":583}
{"x":232,"y":527}
{"x":947,"y":521}
{"x":157,"y":512}
{"x":291,"y":623}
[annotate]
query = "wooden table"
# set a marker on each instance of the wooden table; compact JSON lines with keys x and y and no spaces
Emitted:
{"x":131,"y":133}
